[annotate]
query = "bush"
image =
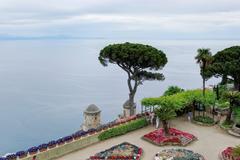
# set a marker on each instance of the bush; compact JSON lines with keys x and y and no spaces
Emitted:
{"x":227,"y":125}
{"x":21,"y":154}
{"x":33,"y":149}
{"x":52,"y":143}
{"x":172,"y":90}
{"x":204,"y":119}
{"x":123,"y":129}
{"x":236,"y":151}
{"x":11,"y":157}
{"x":43,"y":146}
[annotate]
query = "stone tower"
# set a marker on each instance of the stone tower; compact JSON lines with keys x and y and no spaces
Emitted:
{"x":128,"y":110}
{"x":92,"y":117}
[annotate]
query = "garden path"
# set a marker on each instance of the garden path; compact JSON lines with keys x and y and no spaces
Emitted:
{"x":211,"y":140}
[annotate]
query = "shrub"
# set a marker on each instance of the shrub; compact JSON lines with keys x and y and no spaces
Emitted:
{"x":68,"y":138}
{"x":172,"y":90}
{"x":42,"y":146}
{"x":11,"y":157}
{"x":204,"y":119}
{"x":33,"y":149}
{"x":123,"y":129}
{"x":60,"y":141}
{"x":227,"y":124}
{"x":52,"y":144}
{"x":21,"y":154}
{"x":236,"y":151}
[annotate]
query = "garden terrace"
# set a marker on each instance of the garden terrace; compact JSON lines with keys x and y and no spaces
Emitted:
{"x":211,"y":140}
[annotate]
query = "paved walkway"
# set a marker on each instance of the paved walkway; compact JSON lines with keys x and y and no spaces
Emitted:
{"x":211,"y":140}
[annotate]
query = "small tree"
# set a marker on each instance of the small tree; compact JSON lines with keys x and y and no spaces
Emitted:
{"x":172,"y":90}
{"x":204,"y":58}
{"x":165,"y":113}
{"x":138,"y":61}
{"x":232,"y":97}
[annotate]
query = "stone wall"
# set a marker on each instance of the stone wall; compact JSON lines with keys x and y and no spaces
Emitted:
{"x":66,"y":148}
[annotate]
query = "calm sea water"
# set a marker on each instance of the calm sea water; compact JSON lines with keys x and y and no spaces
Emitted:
{"x":46,"y":84}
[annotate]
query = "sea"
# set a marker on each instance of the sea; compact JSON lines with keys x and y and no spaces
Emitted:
{"x":45,"y":85}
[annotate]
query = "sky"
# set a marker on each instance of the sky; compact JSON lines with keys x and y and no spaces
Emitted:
{"x":155,"y":19}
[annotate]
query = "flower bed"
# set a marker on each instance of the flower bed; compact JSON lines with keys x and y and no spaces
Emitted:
{"x":123,"y":151}
{"x":176,"y":137}
{"x":227,"y":154}
{"x":204,"y":120}
{"x":179,"y":154}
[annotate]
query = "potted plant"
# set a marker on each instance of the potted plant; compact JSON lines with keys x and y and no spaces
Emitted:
{"x":42,"y":147}
{"x":11,"y":157}
{"x":33,"y":150}
{"x":68,"y":139}
{"x":60,"y":141}
{"x":91,"y":131}
{"x":52,"y":144}
{"x":21,"y":154}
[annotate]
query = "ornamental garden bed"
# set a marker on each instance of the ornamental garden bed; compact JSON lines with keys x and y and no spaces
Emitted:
{"x":176,"y":137}
{"x":230,"y":153}
{"x":179,"y":154}
{"x":203,"y":120}
{"x":123,"y":151}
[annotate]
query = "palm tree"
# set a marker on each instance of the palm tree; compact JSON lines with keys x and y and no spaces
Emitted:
{"x":204,"y":58}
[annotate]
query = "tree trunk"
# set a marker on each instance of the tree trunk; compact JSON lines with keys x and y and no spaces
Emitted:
{"x":228,"y":118}
{"x":224,"y":79}
{"x":132,"y":93}
{"x":204,"y":86}
{"x":236,"y":85}
{"x":165,"y":128}
{"x":193,"y":109}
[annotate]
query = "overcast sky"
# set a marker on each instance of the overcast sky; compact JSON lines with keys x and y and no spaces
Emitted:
{"x":158,"y":19}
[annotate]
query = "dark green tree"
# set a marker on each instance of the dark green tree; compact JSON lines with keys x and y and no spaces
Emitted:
{"x":140,"y":62}
{"x":204,"y":58}
{"x":172,"y":90}
{"x":233,"y":97}
{"x":226,"y":64}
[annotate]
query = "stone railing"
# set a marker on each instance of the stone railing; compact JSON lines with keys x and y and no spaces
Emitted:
{"x":70,"y":143}
{"x":67,"y":148}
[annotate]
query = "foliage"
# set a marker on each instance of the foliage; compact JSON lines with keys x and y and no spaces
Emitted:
{"x":204,"y":58}
{"x":173,"y":90}
{"x":11,"y":157}
{"x":204,"y":119}
{"x":227,"y":124}
{"x":123,"y":129}
{"x":33,"y":149}
{"x":21,"y":153}
{"x":236,"y":151}
{"x":139,"y":61}
{"x":182,"y":99}
{"x":222,"y":104}
{"x":233,"y":97}
{"x":226,"y":63}
{"x":237,"y":115}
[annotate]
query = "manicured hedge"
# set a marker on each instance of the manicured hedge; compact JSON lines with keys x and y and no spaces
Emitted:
{"x":204,"y":119}
{"x":123,"y":129}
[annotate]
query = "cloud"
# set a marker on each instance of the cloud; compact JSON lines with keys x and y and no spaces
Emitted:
{"x":73,"y":17}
